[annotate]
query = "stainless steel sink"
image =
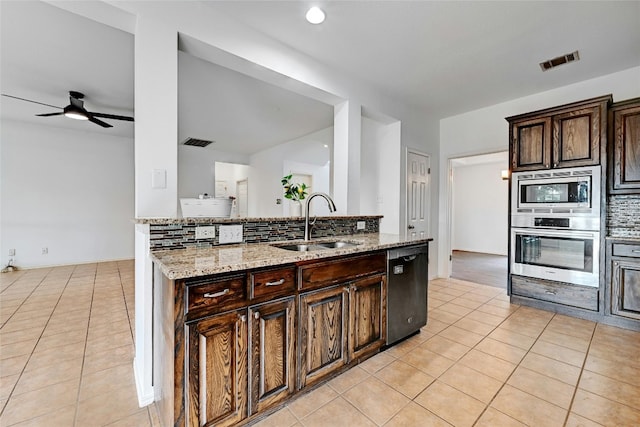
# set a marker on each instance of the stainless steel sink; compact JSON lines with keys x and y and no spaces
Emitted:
{"x":336,"y":245}
{"x":315,"y":246}
{"x":300,"y":247}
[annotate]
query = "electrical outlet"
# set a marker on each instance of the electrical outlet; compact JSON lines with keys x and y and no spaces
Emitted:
{"x":360,"y":225}
{"x":12,"y":252}
{"x":230,"y":233}
{"x":206,"y":232}
{"x":45,"y":251}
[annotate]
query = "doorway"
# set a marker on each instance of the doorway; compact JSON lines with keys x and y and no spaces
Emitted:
{"x":479,"y":219}
{"x":242,"y":200}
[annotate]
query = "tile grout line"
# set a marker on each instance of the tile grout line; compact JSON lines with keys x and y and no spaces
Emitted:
{"x":504,"y":383}
{"x":485,"y":336}
{"x":39,"y":338}
{"x":24,"y":299}
{"x":84,"y":353}
{"x":584,"y":363}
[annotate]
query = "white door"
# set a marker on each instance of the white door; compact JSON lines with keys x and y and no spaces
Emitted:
{"x":242,"y":192}
{"x":418,"y":172}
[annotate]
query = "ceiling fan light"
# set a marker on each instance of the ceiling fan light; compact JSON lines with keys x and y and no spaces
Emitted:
{"x":75,"y":113}
{"x":315,"y":15}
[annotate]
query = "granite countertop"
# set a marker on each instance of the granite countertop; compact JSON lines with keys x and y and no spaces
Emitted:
{"x":194,"y":262}
{"x":206,"y":220}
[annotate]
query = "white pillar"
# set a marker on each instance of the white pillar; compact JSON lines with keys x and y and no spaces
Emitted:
{"x":156,"y":170}
{"x":347,"y":128}
{"x":156,"y":113}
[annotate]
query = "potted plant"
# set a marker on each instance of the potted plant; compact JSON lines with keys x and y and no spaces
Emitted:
{"x":294,"y":192}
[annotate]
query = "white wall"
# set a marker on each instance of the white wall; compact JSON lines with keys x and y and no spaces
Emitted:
{"x":269,"y":166}
{"x":380,"y":175}
{"x":480,"y":198}
{"x":485,"y":131}
{"x":71,"y":192}
{"x":196,"y":169}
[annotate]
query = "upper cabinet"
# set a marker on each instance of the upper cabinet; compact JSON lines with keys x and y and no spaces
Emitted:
{"x":624,"y":152}
{"x":567,"y":136}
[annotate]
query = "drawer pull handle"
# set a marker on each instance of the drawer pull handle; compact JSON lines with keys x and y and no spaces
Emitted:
{"x":635,"y":251}
{"x":217,"y":294}
{"x":550,"y":292}
{"x":278,"y":283}
{"x":256,"y":315}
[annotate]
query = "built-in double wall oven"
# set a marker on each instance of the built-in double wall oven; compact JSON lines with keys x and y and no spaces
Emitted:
{"x":555,"y":225}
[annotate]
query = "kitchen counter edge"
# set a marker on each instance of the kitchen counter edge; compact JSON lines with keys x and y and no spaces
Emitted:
{"x":196,"y":262}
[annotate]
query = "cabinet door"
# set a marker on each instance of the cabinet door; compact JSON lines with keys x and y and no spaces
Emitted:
{"x":625,"y":289}
{"x":272,"y":344}
{"x":576,"y":138}
{"x":322,"y":341}
{"x":626,"y":149}
{"x":367,"y":316}
{"x":531,"y":144}
{"x":217,"y":389}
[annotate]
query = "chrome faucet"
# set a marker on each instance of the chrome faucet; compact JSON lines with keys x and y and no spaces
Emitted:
{"x":307,"y":228}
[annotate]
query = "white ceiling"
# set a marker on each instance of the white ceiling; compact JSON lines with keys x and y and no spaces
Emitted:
{"x":455,"y":56}
{"x":445,"y":57}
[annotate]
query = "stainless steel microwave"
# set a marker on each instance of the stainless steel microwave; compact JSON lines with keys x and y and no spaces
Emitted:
{"x":574,"y":191}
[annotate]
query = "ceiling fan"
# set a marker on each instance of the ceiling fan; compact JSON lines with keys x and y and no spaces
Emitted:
{"x":76,"y":110}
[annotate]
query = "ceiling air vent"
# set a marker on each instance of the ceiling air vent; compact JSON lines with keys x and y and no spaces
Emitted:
{"x":551,"y":63}
{"x":197,"y":142}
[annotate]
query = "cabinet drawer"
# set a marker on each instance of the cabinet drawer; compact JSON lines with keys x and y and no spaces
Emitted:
{"x":281,"y":281}
{"x":313,"y":276}
{"x":623,"y":249}
{"x":560,"y":293}
{"x":212,"y":296}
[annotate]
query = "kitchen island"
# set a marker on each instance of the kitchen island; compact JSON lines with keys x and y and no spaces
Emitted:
{"x":240,"y":329}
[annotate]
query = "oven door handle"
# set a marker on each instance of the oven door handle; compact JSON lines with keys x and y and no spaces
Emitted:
{"x":552,"y":233}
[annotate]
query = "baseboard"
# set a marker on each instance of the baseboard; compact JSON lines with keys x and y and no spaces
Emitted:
{"x":145,"y":394}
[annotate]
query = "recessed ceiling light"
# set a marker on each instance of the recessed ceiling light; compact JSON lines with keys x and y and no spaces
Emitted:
{"x":315,"y":15}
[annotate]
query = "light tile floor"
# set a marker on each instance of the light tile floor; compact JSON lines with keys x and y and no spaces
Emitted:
{"x":67,"y":349}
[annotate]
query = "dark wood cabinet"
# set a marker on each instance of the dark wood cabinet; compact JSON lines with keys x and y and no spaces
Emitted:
{"x":624,"y":128}
{"x":367,"y":316}
{"x":272,"y":348}
{"x":625,"y":280}
{"x":217,"y":379}
{"x":567,"y":136}
{"x":323,"y":333}
{"x":531,"y":144}
{"x":236,"y":345}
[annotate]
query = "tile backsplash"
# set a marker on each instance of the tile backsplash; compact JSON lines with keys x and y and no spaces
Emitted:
{"x":623,"y":215}
{"x":182,"y":233}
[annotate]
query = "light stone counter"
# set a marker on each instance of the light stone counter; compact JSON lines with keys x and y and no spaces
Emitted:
{"x":195,"y":262}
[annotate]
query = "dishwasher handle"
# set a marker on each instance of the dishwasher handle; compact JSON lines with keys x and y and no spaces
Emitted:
{"x":408,"y":252}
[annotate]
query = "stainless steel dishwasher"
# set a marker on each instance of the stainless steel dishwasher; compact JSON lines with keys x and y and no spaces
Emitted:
{"x":407,"y":270}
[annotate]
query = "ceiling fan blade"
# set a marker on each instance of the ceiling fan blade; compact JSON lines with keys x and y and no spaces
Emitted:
{"x":50,"y":114}
{"x":111,"y":116}
{"x":28,"y":100}
{"x":99,"y":122}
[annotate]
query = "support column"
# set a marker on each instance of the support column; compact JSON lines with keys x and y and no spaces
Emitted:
{"x":156,"y":170}
{"x":345,"y":183}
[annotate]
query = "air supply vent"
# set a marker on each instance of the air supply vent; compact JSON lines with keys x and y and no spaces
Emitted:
{"x":551,"y":63}
{"x":197,"y":142}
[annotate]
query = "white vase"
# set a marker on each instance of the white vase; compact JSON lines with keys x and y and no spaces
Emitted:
{"x":295,"y":208}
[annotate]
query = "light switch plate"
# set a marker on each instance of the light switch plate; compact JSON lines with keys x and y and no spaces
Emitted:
{"x":230,"y":233}
{"x":206,"y":232}
{"x":360,"y":225}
